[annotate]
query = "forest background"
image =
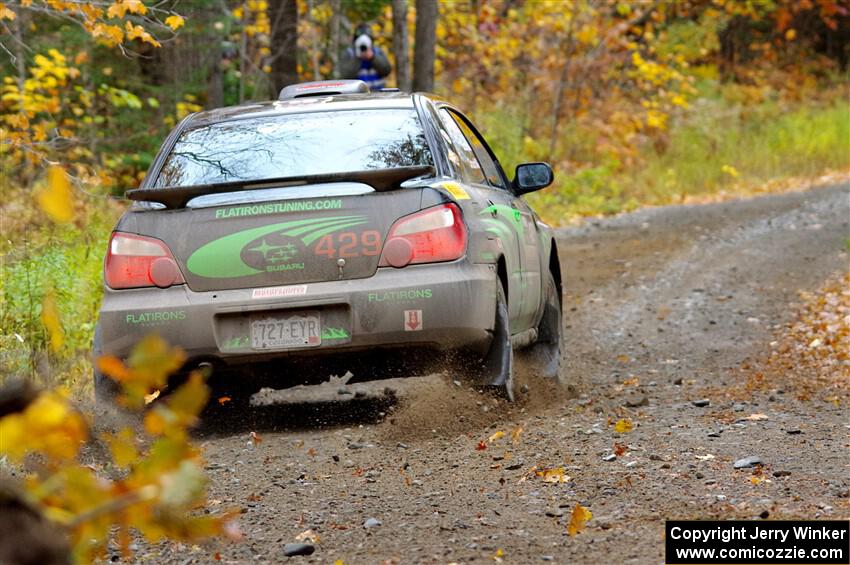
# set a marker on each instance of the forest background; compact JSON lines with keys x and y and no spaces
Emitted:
{"x":634,"y":103}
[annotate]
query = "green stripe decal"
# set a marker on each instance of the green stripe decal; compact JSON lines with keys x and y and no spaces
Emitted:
{"x":313,"y":236}
{"x":222,"y":257}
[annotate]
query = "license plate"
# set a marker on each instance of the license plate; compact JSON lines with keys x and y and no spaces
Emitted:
{"x":293,"y":330}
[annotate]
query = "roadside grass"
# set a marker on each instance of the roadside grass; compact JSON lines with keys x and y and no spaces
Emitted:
{"x":716,"y":148}
{"x":39,"y":259}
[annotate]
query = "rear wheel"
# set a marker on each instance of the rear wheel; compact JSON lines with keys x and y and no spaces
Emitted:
{"x":499,"y":360}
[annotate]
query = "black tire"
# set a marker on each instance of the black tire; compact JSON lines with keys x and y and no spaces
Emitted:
{"x":547,"y":349}
{"x":499,"y":360}
{"x":106,"y":390}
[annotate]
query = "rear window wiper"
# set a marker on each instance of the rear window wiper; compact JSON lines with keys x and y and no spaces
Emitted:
{"x":379,"y":179}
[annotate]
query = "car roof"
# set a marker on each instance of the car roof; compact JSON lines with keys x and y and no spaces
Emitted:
{"x":367,"y":101}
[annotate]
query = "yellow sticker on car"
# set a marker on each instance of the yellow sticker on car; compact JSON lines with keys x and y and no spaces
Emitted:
{"x":456,"y":190}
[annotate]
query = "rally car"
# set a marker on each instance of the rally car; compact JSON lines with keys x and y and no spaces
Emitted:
{"x":339,"y":226}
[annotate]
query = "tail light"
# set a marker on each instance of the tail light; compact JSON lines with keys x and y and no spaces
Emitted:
{"x":135,"y":261}
{"x":430,"y":236}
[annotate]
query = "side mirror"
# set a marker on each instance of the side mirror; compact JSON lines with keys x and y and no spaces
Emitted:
{"x":532,"y":176}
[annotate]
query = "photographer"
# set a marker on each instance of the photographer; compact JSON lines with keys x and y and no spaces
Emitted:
{"x":364,"y":60}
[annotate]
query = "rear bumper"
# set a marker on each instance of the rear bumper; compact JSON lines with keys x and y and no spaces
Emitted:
{"x":453,"y":304}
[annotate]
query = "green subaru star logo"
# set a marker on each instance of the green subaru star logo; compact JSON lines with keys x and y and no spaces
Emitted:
{"x":275,"y":253}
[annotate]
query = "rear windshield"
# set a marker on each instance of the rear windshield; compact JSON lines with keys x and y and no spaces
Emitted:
{"x":296,"y":145}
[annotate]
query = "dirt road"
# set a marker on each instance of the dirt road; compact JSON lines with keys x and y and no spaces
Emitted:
{"x":662,"y":306}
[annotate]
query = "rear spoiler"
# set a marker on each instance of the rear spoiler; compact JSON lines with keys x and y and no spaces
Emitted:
{"x":379,"y":179}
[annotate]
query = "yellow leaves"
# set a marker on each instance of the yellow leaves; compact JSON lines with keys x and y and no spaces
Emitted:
{"x":52,"y":322}
{"x":588,"y":35}
{"x":48,"y":426}
{"x":496,"y":436}
{"x":122,"y":7}
{"x":175,"y":22}
{"x":730,"y":170}
{"x":553,"y":475}
{"x":147,"y":369}
{"x":679,"y":100}
{"x":656,"y":119}
{"x":578,"y":519}
{"x":160,"y":485}
{"x":111,"y":35}
{"x":6,"y":13}
{"x":134,"y":31}
{"x":56,"y":200}
{"x":122,"y":446}
{"x":187,"y":401}
{"x":791,"y":34}
{"x":623,"y":426}
{"x":515,"y":434}
{"x":186,"y":108}
{"x":19,"y":121}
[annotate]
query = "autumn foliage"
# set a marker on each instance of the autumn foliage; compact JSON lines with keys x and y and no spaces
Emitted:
{"x":810,"y":356}
{"x":150,"y":484}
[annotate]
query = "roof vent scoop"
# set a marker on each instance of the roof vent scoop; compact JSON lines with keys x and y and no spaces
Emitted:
{"x":323,"y":88}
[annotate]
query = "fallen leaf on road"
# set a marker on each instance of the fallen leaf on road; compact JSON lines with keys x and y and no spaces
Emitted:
{"x":481,"y":446}
{"x":255,"y":438}
{"x":623,"y":426}
{"x":499,"y":554}
{"x":634,"y":381}
{"x":308,"y":535}
{"x":554,"y":475}
{"x":496,"y":436}
{"x":311,"y":452}
{"x":517,"y":431}
{"x":619,"y":449}
{"x":623,"y":358}
{"x":756,"y":417}
{"x":707,"y":457}
{"x":578,"y":519}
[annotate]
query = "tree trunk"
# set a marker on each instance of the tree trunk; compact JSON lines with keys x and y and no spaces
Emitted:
{"x":333,"y":47}
{"x":401,"y":45}
{"x":425,"y":45}
{"x":284,"y":43}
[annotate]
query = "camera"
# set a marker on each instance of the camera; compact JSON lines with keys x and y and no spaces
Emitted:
{"x":363,"y":43}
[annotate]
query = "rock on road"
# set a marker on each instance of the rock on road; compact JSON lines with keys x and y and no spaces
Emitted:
{"x":661,"y":308}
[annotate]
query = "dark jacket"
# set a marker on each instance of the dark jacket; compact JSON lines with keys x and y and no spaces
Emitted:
{"x":371,"y":72}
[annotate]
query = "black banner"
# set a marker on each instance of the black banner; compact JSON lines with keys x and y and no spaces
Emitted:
{"x":740,"y":542}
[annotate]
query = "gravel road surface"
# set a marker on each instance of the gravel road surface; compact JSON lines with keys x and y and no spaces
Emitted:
{"x":661,"y":309}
